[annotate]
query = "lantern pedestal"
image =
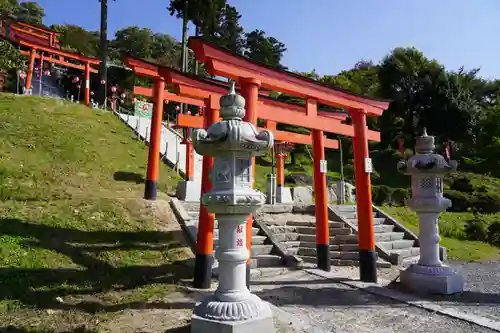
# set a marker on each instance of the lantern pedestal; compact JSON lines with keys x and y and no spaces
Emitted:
{"x":283,"y":195}
{"x":188,"y":190}
{"x":427,"y":170}
{"x":432,"y":279}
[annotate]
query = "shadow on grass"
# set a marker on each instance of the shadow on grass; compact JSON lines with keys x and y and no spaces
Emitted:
{"x":131,"y":177}
{"x":40,"y":287}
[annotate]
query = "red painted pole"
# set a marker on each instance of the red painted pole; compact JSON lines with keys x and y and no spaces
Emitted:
{"x":366,"y":236}
{"x":87,"y":84}
{"x":31,"y":66}
{"x":250,"y":91}
{"x":151,"y":188}
{"x":280,"y":165}
{"x":189,"y":159}
{"x":205,"y":236}
{"x":321,"y":198}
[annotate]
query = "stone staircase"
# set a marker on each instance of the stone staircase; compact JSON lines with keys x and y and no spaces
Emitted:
{"x":262,"y":254}
{"x":295,"y":229}
{"x":393,"y":242}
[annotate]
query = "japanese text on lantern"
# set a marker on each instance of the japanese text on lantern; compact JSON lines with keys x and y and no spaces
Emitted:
{"x":239,"y":241}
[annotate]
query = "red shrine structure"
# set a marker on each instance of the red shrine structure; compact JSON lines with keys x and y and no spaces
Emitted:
{"x":251,"y":78}
{"x":42,"y":44}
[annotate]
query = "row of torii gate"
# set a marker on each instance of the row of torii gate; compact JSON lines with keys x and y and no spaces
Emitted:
{"x":250,"y":77}
{"x":42,"y":43}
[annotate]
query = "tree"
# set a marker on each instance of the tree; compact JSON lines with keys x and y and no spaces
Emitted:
{"x":11,"y":58}
{"x":135,"y":41}
{"x":9,"y":7}
{"x":230,"y":33}
{"x":205,"y":14}
{"x":76,"y":38}
{"x":166,"y":50}
{"x":265,"y":50}
{"x":31,"y":12}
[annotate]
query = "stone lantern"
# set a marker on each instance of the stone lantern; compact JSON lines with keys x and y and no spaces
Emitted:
{"x":233,"y":143}
{"x":427,"y":170}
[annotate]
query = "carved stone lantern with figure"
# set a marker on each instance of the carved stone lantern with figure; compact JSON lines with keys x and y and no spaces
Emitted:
{"x":232,"y":142}
{"x":427,"y":171}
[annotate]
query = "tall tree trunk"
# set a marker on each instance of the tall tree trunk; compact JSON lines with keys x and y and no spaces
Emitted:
{"x":103,"y":71}
{"x":184,"y":45}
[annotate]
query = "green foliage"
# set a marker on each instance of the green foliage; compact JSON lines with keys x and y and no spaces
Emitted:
{"x":476,"y":228}
{"x":494,"y":233}
{"x":11,"y":59}
{"x":381,"y":194}
{"x":265,"y":50}
{"x":460,"y":202}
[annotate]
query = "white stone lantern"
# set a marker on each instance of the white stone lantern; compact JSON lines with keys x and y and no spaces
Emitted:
{"x":233,"y":143}
{"x":427,"y":170}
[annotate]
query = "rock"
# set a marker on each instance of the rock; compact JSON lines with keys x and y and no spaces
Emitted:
{"x":302,"y":194}
{"x":332,"y":196}
{"x":300,"y":179}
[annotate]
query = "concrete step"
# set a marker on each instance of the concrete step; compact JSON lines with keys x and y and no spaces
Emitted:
{"x":344,"y":208}
{"x":332,"y":231}
{"x":408,"y":252}
{"x":261,"y":249}
{"x":397,"y":244}
{"x":266,"y":260}
{"x":383,"y":228}
{"x":292,"y":236}
{"x":346,"y":262}
{"x":331,"y":224}
{"x":376,"y":221}
{"x":409,"y":261}
{"x":353,"y":215}
{"x":389,"y":236}
{"x":256,"y":240}
{"x":294,"y":248}
{"x":291,"y":244}
{"x":339,"y":239}
{"x":348,"y":255}
{"x":284,"y":218}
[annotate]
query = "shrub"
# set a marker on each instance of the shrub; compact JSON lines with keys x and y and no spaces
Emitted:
{"x":486,"y":202}
{"x":460,"y":201}
{"x":494,"y":233}
{"x":476,"y":229}
{"x":399,"y":196}
{"x":381,"y":194}
{"x":349,"y":171}
{"x":462,"y":184}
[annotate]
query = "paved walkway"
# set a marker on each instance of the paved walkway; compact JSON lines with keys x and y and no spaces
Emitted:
{"x":307,"y":302}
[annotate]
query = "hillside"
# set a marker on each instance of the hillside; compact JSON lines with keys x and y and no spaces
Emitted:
{"x":77,"y":243}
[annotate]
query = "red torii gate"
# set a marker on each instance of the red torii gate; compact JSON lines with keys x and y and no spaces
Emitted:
{"x":159,"y":94}
{"x":202,"y":88}
{"x":251,"y":76}
{"x":62,"y":55}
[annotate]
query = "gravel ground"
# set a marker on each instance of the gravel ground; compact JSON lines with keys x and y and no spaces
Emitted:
{"x":481,"y":294}
{"x":326,"y":306}
{"x":482,"y":289}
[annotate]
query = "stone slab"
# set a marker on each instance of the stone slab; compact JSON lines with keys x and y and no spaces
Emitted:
{"x":302,"y":195}
{"x":188,"y":190}
{"x":432,"y":284}
{"x":284,"y":195}
{"x":262,"y":324}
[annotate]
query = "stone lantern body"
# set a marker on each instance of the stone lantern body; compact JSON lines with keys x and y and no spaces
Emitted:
{"x":232,"y":142}
{"x":427,"y":170}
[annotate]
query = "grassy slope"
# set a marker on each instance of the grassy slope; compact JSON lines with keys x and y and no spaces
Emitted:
{"x":450,"y":225}
{"x":72,"y":223}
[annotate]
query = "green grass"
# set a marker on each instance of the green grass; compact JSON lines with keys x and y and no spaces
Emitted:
{"x":75,"y":235}
{"x":451,"y":230}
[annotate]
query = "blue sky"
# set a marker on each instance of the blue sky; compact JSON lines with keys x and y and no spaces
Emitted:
{"x":331,"y":35}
